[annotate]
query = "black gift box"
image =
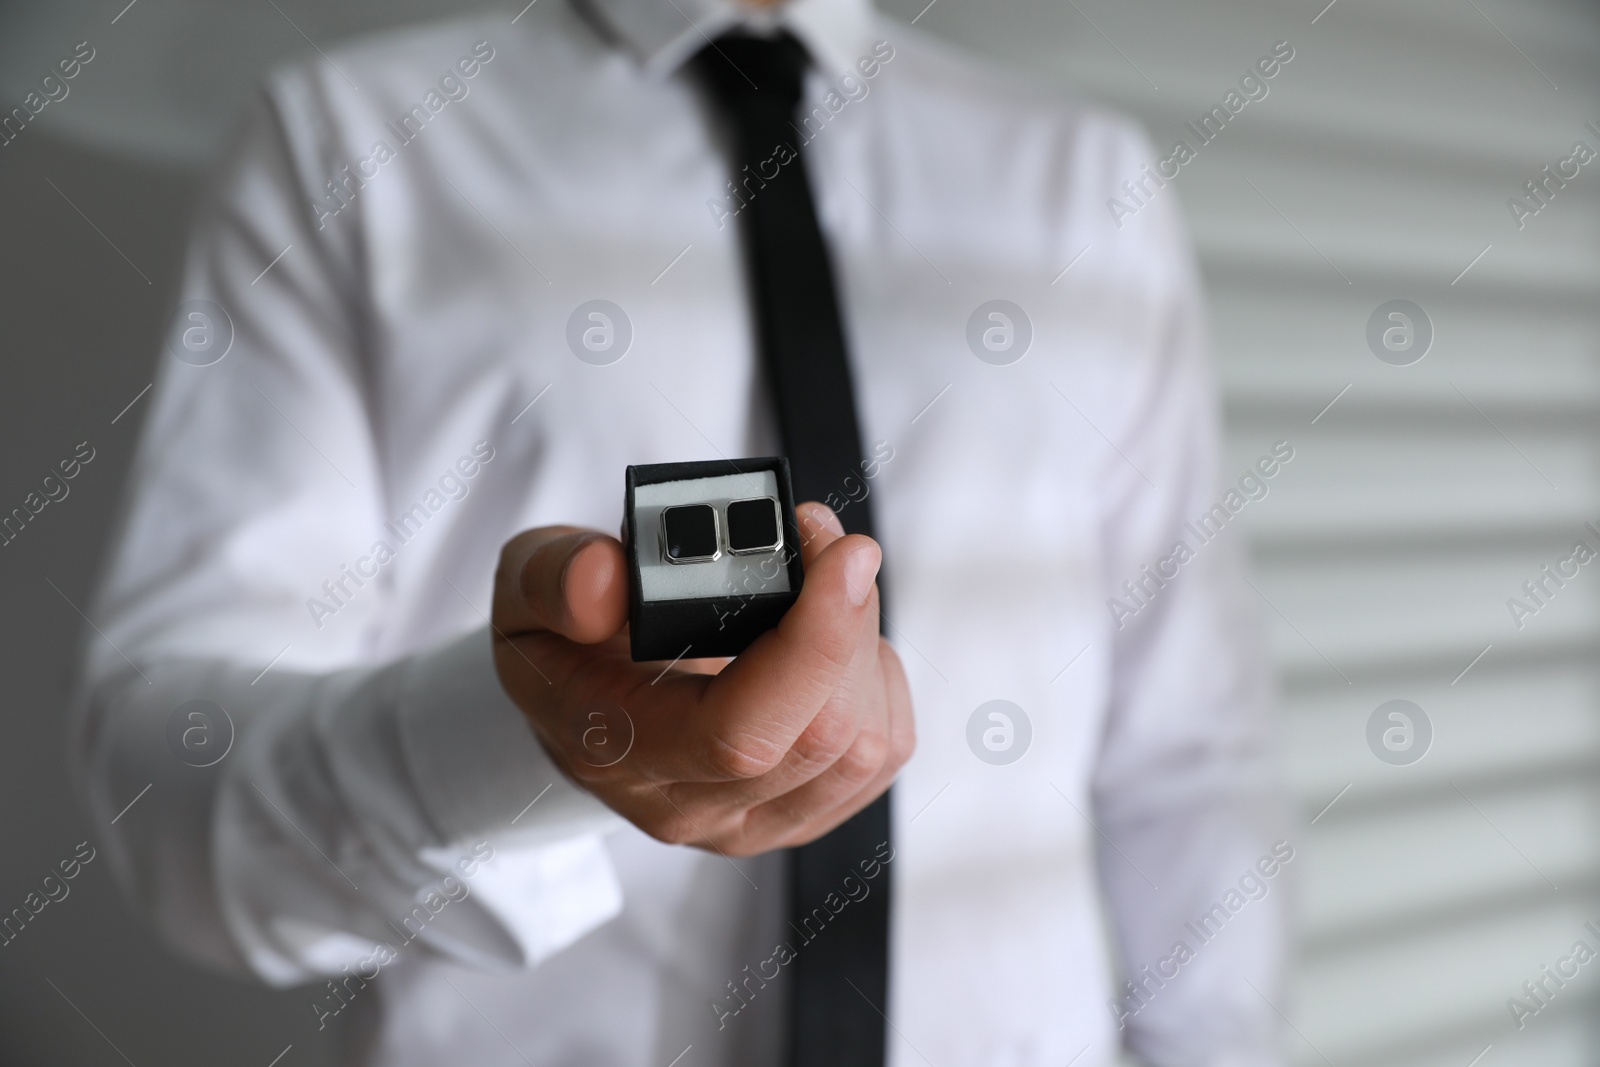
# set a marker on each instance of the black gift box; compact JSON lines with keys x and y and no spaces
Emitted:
{"x":704,"y":576}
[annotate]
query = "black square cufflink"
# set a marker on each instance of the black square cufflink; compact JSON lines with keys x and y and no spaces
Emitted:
{"x":713,"y":555}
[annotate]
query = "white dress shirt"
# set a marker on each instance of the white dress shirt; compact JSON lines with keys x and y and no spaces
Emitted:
{"x":399,"y":372}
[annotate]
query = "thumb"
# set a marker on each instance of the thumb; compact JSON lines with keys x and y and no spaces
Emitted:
{"x":776,"y":687}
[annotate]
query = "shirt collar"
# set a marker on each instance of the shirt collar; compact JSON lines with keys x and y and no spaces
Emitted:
{"x":662,"y":34}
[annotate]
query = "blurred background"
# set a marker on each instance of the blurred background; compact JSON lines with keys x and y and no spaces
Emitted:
{"x":1431,"y":477}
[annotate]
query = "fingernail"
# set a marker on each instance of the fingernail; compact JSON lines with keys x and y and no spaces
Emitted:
{"x":823,"y":516}
{"x":860,"y":568}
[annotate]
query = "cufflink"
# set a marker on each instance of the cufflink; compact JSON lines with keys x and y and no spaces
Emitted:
{"x":713,"y":553}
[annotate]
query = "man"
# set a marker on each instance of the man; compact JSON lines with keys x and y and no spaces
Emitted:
{"x":363,"y":641}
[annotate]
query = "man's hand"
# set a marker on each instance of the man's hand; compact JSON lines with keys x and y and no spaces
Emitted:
{"x":775,"y":748}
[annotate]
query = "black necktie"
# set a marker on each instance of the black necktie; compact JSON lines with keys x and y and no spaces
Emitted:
{"x":840,"y":972}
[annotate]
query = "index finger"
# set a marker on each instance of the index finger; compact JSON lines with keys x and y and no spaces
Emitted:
{"x":564,"y":580}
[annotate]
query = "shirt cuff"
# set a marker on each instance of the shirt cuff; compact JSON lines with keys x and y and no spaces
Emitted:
{"x":478,"y":768}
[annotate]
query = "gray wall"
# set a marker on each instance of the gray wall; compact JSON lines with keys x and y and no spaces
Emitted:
{"x":1377,"y":168}
{"x":78,"y":332}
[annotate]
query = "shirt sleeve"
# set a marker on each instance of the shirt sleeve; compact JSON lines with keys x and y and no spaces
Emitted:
{"x":317,"y":802}
{"x":1186,"y":800}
